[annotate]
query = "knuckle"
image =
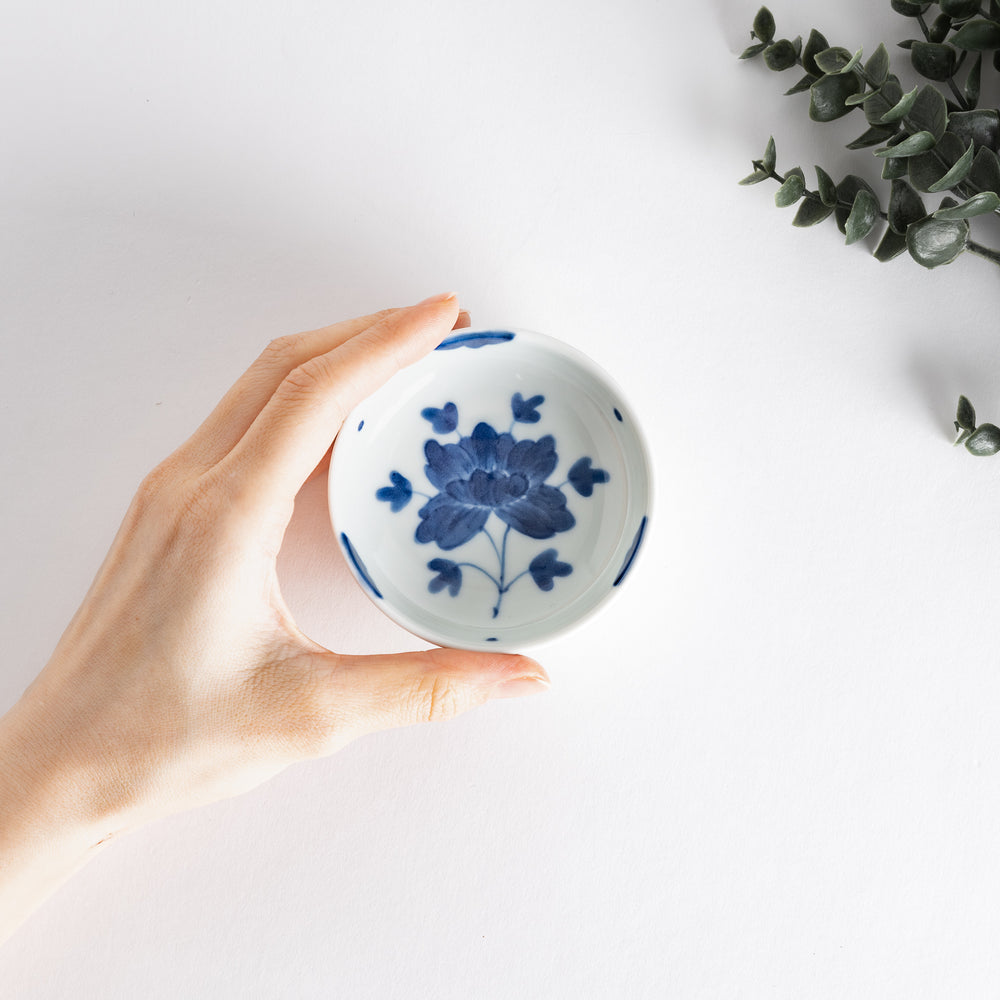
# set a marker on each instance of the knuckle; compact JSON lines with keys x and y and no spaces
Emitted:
{"x":309,"y":378}
{"x":156,"y":490}
{"x":281,"y":351}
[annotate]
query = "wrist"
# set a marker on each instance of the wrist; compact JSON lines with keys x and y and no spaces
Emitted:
{"x":52,"y":816}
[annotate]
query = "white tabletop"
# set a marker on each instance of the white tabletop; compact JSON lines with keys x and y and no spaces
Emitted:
{"x":770,"y":769}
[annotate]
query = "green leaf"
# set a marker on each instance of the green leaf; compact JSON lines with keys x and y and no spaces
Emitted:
{"x":978,"y":204}
{"x":864,"y":214}
{"x":905,"y":206}
{"x":755,"y":178}
{"x":888,"y":96}
{"x":928,"y":168}
{"x":985,"y":172}
{"x":874,"y":135}
{"x":752,"y":50}
{"x":859,"y":98}
{"x":853,"y":61}
{"x":833,"y":60}
{"x":901,"y":108}
{"x":973,"y":82}
{"x":770,"y":155}
{"x":827,"y":96}
{"x":847,"y":191}
{"x":827,"y":189}
{"x":780,"y":56}
{"x":802,"y":86}
{"x":763,"y":25}
{"x":933,"y":242}
{"x":929,"y":112}
{"x":911,"y":146}
{"x":984,"y":440}
{"x":966,"y":415}
{"x":815,"y":43}
{"x":789,"y":192}
{"x":810,"y":213}
{"x":895,"y":167}
{"x":957,"y":173}
{"x":892,"y":245}
{"x":977,"y":36}
{"x":933,"y":60}
{"x":877,"y":67}
{"x":908,"y":8}
{"x":939,"y":29}
{"x":982,"y":127}
{"x":960,"y":9}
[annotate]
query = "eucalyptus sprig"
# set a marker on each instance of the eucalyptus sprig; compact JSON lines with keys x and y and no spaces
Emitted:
{"x":981,"y":440}
{"x":929,"y":142}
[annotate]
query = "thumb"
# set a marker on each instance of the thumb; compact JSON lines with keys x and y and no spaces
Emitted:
{"x":383,"y":692}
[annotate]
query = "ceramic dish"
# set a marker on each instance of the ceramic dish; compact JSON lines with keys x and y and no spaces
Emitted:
{"x":494,"y":494}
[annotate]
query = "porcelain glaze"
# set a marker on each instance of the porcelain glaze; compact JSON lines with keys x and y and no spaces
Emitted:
{"x":494,"y":494}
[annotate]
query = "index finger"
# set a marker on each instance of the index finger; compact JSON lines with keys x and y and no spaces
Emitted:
{"x":292,"y":432}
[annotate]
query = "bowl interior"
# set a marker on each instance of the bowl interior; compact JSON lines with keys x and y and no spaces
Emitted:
{"x":494,"y":493}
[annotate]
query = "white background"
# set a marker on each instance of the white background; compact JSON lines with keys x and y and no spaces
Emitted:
{"x":771,"y":769}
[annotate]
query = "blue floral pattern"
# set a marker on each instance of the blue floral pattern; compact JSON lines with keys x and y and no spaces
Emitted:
{"x":490,"y":474}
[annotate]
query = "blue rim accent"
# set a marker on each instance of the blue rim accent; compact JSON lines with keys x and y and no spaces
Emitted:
{"x":636,"y":542}
{"x":362,"y":424}
{"x":491,"y":638}
{"x":358,"y":565}
{"x":475,"y":340}
{"x":618,"y":415}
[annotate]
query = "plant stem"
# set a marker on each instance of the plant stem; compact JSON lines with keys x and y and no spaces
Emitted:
{"x":976,"y":248}
{"x":814,"y":196}
{"x":984,"y":252}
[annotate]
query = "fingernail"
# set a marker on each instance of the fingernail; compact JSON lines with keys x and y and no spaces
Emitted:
{"x":434,"y":299}
{"x":520,"y":686}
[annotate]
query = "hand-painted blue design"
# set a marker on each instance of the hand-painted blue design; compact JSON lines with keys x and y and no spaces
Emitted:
{"x":362,"y":424}
{"x":630,"y":557}
{"x":475,"y":340}
{"x":445,"y":420}
{"x":484,"y":474}
{"x":582,"y":477}
{"x":358,"y":565}
{"x":618,"y":415}
{"x":491,"y":473}
{"x":398,"y":495}
{"x":526,"y":410}
{"x":545,"y":567}
{"x":492,"y":638}
{"x":449,"y":574}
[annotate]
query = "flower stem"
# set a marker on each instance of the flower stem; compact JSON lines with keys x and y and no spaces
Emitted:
{"x":489,"y":576}
{"x":503,"y":568}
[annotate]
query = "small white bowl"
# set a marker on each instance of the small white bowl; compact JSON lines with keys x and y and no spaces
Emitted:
{"x":494,"y":494}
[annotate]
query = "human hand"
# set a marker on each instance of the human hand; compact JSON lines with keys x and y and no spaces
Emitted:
{"x":183,"y":678}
